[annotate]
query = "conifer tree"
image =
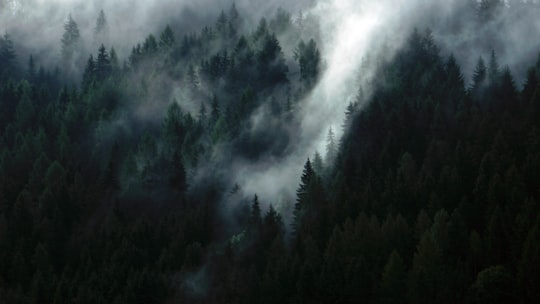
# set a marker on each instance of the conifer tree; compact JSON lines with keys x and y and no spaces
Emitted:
{"x":101,"y":29}
{"x":7,"y":54}
{"x":70,"y":39}
{"x":166,"y":39}
{"x":331,"y":148}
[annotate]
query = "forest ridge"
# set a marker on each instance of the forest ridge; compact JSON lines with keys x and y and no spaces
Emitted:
{"x":117,"y":181}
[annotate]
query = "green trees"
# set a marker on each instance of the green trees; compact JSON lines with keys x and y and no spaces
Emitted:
{"x":7,"y":56}
{"x":331,"y":148}
{"x":70,"y":39}
{"x":480,"y":74}
{"x":103,"y":64}
{"x":166,"y":38}
{"x":271,"y":62}
{"x":116,"y":191}
{"x":101,"y":29}
{"x":302,"y":195}
{"x":309,"y":59}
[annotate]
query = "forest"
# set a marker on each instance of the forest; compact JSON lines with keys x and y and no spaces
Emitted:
{"x":118,"y":176}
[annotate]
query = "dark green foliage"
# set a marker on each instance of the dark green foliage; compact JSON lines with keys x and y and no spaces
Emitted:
{"x":281,"y":22}
{"x":270,"y":62}
{"x":150,"y":45}
{"x":309,"y":59}
{"x":166,"y":39}
{"x":7,"y":56}
{"x":430,"y":196}
{"x":101,"y":24}
{"x":70,"y":39}
{"x":103,"y":67}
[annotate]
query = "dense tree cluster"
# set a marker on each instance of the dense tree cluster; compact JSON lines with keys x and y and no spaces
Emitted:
{"x":430,"y":196}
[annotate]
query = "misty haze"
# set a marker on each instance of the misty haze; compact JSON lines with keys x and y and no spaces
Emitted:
{"x":269,"y":151}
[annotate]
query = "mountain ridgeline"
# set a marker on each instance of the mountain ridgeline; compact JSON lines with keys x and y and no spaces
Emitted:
{"x":120,"y":187}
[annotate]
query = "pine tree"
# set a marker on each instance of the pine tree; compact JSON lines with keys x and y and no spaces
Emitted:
{"x":89,"y":72}
{"x":103,"y":64}
{"x":271,"y":62}
{"x":234,"y":21}
{"x":101,"y":27}
{"x":351,"y":109}
{"x":493,"y":69}
{"x":318,"y":163}
{"x":309,"y":58}
{"x":166,"y":39}
{"x":114,"y":59}
{"x":101,"y":23}
{"x":331,"y":148}
{"x":31,"y":68}
{"x":261,"y":31}
{"x":255,"y":218}
{"x":70,"y":39}
{"x":281,"y":22}
{"x":150,"y":45}
{"x":7,"y":54}
{"x":302,"y":193}
{"x":479,"y":75}
{"x":453,"y":72}
{"x":222,"y":24}
{"x":173,"y":129}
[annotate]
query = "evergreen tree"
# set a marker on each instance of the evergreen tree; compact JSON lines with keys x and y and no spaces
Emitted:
{"x":309,"y":58}
{"x":318,"y":163}
{"x":302,"y":193}
{"x":166,"y":39}
{"x":7,"y":55}
{"x":70,"y":39}
{"x":234,"y":21}
{"x":101,"y":28}
{"x":150,"y":45}
{"x":115,"y":65}
{"x":281,"y":22}
{"x":255,"y":219}
{"x":222,"y":24}
{"x":89,"y":72}
{"x":331,"y":148}
{"x":493,"y":69}
{"x":479,"y":76}
{"x":103,"y":64}
{"x":31,"y":73}
{"x":271,"y":63}
{"x":173,"y":128}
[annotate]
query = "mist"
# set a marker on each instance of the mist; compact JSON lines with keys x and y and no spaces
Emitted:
{"x":37,"y":25}
{"x":351,"y":31}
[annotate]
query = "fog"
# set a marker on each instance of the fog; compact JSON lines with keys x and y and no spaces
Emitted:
{"x":38,"y":24}
{"x":353,"y":30}
{"x":350,"y":31}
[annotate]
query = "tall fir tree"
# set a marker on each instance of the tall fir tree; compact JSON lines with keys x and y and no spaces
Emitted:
{"x":70,"y":39}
